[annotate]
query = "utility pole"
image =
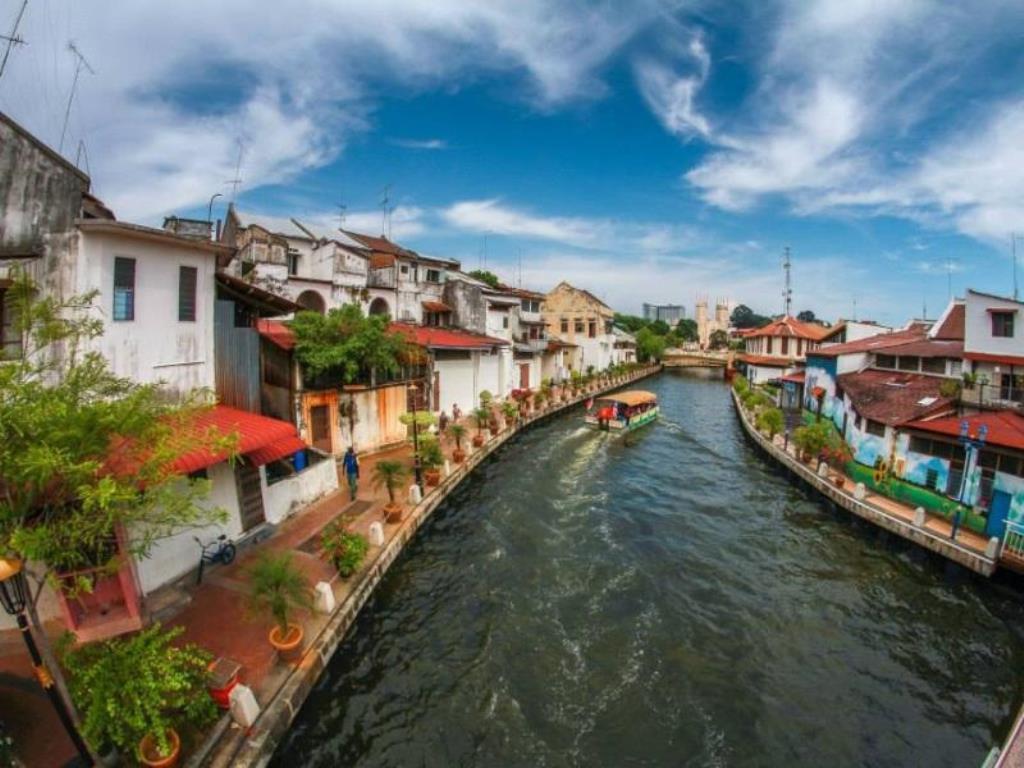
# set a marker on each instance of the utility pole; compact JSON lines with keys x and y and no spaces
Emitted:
{"x":13,"y":39}
{"x":787,"y":293}
{"x":342,"y":210}
{"x":384,"y":200}
{"x":80,"y":64}
{"x":237,"y":181}
{"x":1013,"y":253}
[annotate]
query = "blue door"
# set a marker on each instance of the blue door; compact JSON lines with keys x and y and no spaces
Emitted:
{"x":997,"y":512}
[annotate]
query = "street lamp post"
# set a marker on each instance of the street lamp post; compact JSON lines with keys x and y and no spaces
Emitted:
{"x":417,"y":467}
{"x":209,"y":208}
{"x":972,"y":448}
{"x":14,"y":596}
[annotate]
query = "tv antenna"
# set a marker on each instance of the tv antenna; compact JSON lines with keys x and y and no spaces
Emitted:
{"x":1013,"y":253}
{"x":342,"y":210}
{"x":384,"y":200}
{"x":390,"y":211}
{"x":80,"y":64}
{"x":14,"y":38}
{"x":236,"y":182}
{"x":787,"y":293}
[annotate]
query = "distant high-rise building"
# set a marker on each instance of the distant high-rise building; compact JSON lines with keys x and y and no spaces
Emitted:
{"x":670,"y":313}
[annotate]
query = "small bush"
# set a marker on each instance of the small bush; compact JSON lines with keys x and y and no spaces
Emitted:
{"x":344,"y":548}
{"x":770,"y":420}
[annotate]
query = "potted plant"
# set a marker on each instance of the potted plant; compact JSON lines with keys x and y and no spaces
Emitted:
{"x":344,"y":548}
{"x":431,"y":459}
{"x":280,"y":588}
{"x":482,"y":417}
{"x":158,"y":688}
{"x":486,"y":398}
{"x":510,"y":410}
{"x":390,"y":474}
{"x":458,"y":431}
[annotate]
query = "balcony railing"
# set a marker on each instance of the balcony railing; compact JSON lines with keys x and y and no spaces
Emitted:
{"x":993,"y":396}
{"x":381,"y":278}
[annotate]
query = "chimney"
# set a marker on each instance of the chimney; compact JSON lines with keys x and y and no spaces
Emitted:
{"x":194,"y":229}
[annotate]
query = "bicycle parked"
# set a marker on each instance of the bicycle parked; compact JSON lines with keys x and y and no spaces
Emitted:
{"x":223,"y":554}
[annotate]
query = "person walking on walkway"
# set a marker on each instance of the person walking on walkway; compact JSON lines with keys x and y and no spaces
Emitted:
{"x":351,"y":464}
{"x":442,"y":422}
{"x":456,"y":413}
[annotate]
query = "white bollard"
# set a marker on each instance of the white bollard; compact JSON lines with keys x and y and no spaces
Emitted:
{"x":822,"y":469}
{"x":243,"y":706}
{"x":920,"y":518}
{"x":415,"y":495}
{"x":447,"y":467}
{"x":992,"y":548}
{"x":376,"y":534}
{"x":323,"y":601}
{"x":859,"y":492}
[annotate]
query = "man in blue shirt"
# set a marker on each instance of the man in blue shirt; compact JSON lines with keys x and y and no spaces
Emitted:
{"x":351,"y":464}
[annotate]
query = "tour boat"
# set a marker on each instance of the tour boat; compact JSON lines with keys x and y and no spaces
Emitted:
{"x":623,"y":411}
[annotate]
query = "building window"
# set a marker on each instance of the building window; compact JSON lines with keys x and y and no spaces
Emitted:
{"x":187,"y":278}
{"x":124,"y":289}
{"x":10,"y":336}
{"x":1002,"y":324}
{"x":933,"y":365}
{"x":433,"y":276}
{"x":885,"y":361}
{"x":592,"y":329}
{"x":293,"y":262}
{"x":405,"y":269}
{"x":875,"y":428}
{"x":578,"y":326}
{"x":905,"y":363}
{"x":565,"y":325}
{"x":785,"y":345}
{"x":768,"y":345}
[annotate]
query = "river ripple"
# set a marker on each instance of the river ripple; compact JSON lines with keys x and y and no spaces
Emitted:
{"x":666,"y":599}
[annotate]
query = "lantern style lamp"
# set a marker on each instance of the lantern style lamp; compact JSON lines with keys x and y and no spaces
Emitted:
{"x":14,"y":597}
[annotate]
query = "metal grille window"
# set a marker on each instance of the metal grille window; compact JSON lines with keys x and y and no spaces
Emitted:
{"x":876,"y":428}
{"x":124,"y":289}
{"x":1002,"y":324}
{"x":187,"y":294}
{"x":10,"y":336}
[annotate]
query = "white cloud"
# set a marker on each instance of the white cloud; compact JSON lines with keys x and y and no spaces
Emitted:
{"x":670,"y":96}
{"x":177,"y":83}
{"x":420,"y":143}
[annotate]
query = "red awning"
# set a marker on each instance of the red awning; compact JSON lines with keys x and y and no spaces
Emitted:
{"x":986,"y":357}
{"x":795,"y":378}
{"x":284,"y":447}
{"x":436,"y":306}
{"x":258,"y":437}
{"x":277,"y":333}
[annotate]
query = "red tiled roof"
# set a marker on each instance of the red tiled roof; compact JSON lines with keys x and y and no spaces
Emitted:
{"x":790,"y":326}
{"x":445,"y":338}
{"x":986,"y":357}
{"x":436,"y":306}
{"x":872,"y":343}
{"x":771,"y":362}
{"x":379,"y":244}
{"x":277,"y":333}
{"x":381,"y":260}
{"x":797,"y":377}
{"x":260,"y":438}
{"x":556,"y":344}
{"x":893,"y":397}
{"x":928,"y":348}
{"x":1005,"y":428}
{"x":952,"y":327}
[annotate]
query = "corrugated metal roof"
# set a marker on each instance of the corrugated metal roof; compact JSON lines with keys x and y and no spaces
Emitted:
{"x":1005,"y":428}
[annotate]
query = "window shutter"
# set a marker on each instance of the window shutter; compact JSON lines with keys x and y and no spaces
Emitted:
{"x":187,"y":294}
{"x":124,"y":288}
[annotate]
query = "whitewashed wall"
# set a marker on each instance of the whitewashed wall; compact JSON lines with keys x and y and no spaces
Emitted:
{"x":285,"y":497}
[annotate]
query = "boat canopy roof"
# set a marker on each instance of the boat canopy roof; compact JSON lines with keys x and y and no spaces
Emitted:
{"x":632,"y":397}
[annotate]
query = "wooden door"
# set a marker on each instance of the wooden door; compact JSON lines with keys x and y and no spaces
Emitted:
{"x":524,"y":376}
{"x":437,"y":391}
{"x":320,"y":427}
{"x":250,"y":495}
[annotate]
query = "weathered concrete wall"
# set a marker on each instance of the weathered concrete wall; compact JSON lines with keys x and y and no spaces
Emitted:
{"x":40,"y":192}
{"x":469,"y":310}
{"x":285,"y":497}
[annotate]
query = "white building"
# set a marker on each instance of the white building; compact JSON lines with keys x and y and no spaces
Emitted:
{"x":994,"y":345}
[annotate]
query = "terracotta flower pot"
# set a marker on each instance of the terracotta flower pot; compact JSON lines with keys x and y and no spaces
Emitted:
{"x":839,"y":481}
{"x":289,"y":648}
{"x":458,"y":455}
{"x":393,"y":513}
{"x":432,"y":477}
{"x":478,"y":440}
{"x":150,"y":755}
{"x":223,"y":679}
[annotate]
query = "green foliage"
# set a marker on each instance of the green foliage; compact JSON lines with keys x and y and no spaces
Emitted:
{"x":510,"y":410}
{"x":806,"y":316}
{"x":970,"y":379}
{"x":278,"y":588}
{"x":83,"y":452}
{"x":457,"y":431}
{"x":482,"y":417}
{"x":744,"y":317}
{"x":347,"y":342}
{"x":649,"y":345}
{"x":389,"y":474}
{"x":659,"y":327}
{"x":950,"y":388}
{"x":345,"y":549}
{"x":630,"y":323}
{"x":431,"y":455}
{"x":485,"y":276}
{"x":686,"y":329}
{"x":486,"y":398}
{"x":770,"y":420}
{"x":718,"y":339}
{"x":132,"y":687}
{"x":740,"y":384}
{"x":424,"y":419}
{"x":813,"y":438}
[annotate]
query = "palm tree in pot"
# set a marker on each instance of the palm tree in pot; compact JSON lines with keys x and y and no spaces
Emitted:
{"x":390,"y":475}
{"x":431,"y":459}
{"x":458,"y":431}
{"x":510,"y":410}
{"x":482,"y":417}
{"x":280,"y":588}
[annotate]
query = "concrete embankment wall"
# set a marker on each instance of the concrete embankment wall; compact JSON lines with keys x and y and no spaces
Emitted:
{"x":230,"y":746}
{"x":968,"y":558}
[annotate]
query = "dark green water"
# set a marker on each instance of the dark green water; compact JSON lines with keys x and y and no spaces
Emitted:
{"x":671,"y":601}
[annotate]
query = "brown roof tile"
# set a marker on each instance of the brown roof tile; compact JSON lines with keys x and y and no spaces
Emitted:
{"x":892,"y":397}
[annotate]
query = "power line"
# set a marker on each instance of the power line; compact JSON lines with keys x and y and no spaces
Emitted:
{"x":13,"y":39}
{"x":80,"y":64}
{"x":236,"y":182}
{"x":384,"y":200}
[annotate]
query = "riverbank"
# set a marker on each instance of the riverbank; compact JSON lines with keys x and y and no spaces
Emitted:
{"x":285,"y":688}
{"x":969,"y":549}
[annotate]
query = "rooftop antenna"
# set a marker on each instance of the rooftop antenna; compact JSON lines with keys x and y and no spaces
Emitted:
{"x":82,"y":154}
{"x":787,"y":294}
{"x":384,"y":200}
{"x":390,"y":211}
{"x":1013,"y":250}
{"x":236,"y":182}
{"x":80,"y":64}
{"x":342,"y":209}
{"x":13,"y":39}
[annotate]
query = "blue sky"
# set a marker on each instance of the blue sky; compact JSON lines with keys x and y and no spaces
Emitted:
{"x":648,"y":151}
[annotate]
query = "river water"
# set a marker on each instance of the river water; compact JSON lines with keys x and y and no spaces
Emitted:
{"x":663,"y":599}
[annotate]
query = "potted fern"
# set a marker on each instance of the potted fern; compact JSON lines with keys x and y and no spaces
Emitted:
{"x":280,"y":588}
{"x":344,"y":548}
{"x":482,"y":417}
{"x":390,"y":474}
{"x":458,"y":431}
{"x":510,"y":410}
{"x":431,"y":459}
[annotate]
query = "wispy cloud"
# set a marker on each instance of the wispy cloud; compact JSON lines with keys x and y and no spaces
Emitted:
{"x":419,"y":143}
{"x":672,"y":96}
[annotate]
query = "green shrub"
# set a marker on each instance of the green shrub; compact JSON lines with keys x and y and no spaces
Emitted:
{"x":486,"y":398}
{"x":344,"y":548}
{"x":131,"y":687}
{"x":431,"y":456}
{"x":740,"y":384}
{"x":278,"y":588}
{"x":813,"y":438}
{"x":770,"y":420}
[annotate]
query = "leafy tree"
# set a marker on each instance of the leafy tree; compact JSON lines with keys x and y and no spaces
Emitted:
{"x":719,"y":339}
{"x":806,"y":316}
{"x":770,"y":420}
{"x":687,"y":329}
{"x":744,"y":317}
{"x":86,"y":455}
{"x":486,"y":276}
{"x":347,"y":342}
{"x":649,"y":345}
{"x":630,"y":323}
{"x":660,"y":327}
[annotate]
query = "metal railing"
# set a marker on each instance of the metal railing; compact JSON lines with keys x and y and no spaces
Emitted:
{"x":1013,"y":539}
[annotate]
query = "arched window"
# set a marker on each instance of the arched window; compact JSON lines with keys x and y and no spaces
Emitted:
{"x":312,"y":301}
{"x":379,"y":307}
